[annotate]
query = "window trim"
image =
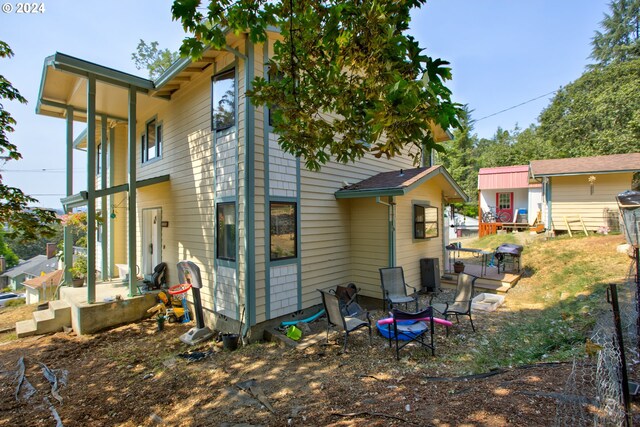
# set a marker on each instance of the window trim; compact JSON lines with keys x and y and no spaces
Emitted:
{"x":219,"y":205}
{"x":159,"y":142}
{"x":295,"y":227}
{"x":230,"y":70}
{"x":424,"y":222}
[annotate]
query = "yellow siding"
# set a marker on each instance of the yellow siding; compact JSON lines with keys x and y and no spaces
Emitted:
{"x":327,"y":262}
{"x":369,"y":244}
{"x":571,"y":196}
{"x":409,"y":250}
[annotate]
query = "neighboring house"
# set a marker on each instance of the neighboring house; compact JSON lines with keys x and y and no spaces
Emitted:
{"x":584,"y":188}
{"x":462,"y":226}
{"x":185,"y":167}
{"x":507,"y":189}
{"x":42,"y":288}
{"x":29,"y":269}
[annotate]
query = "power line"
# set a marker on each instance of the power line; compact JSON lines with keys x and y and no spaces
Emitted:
{"x":515,"y":106}
{"x":41,"y":170}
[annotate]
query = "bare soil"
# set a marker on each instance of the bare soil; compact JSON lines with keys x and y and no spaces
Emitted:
{"x":133,"y":376}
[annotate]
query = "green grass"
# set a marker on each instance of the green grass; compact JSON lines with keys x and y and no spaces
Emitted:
{"x":549,"y":315}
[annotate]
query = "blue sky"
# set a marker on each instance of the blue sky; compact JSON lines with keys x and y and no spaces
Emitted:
{"x":502,"y":52}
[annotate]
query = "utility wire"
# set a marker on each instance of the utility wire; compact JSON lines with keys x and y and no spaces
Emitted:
{"x":41,"y":170}
{"x":515,"y":106}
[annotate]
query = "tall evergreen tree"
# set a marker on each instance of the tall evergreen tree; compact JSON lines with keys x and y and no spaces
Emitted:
{"x":459,"y":158}
{"x":619,"y":39}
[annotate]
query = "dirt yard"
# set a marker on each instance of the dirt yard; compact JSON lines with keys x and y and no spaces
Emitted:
{"x":134,"y":376}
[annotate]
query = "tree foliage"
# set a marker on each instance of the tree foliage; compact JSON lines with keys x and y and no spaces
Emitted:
{"x":619,"y":39}
{"x":27,"y":223}
{"x":597,"y":114}
{"x":460,"y":157}
{"x":352,"y":80}
{"x":155,"y":61}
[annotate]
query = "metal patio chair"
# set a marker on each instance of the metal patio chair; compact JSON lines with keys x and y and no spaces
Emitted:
{"x":337,"y":319}
{"x":413,"y":327}
{"x":461,"y":304}
{"x":394,"y":288}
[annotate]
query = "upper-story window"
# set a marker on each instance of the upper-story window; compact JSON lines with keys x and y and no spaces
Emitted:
{"x":273,"y":75}
{"x":152,"y":141}
{"x":98,"y":159}
{"x":223,"y":100}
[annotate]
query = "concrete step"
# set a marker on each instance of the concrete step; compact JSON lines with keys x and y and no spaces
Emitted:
{"x":54,"y":319}
{"x":26,"y":328}
{"x":481,"y":285}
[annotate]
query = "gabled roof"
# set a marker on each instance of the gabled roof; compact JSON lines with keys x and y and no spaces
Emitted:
{"x":503,"y":177}
{"x":615,"y":163}
{"x":50,"y":279}
{"x":401,"y":182}
{"x":33,"y":266}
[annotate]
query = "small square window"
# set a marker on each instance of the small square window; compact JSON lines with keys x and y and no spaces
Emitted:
{"x":283,"y":234}
{"x":226,"y":231}
{"x":425,"y":222}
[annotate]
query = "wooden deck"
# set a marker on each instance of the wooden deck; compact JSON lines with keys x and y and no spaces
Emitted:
{"x":491,"y":281}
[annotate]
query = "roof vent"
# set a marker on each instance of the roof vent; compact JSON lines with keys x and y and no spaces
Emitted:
{"x":401,"y":173}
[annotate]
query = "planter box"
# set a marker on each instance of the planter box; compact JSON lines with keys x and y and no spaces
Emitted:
{"x":487,"y":302}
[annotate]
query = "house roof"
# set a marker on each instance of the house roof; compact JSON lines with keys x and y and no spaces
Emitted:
{"x":32,"y":266}
{"x":615,"y":163}
{"x":503,"y":177}
{"x":53,"y":278}
{"x":401,"y":182}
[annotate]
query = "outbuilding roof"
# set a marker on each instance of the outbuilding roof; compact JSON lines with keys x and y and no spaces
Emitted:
{"x":401,"y":182}
{"x":503,"y":177}
{"x":614,"y":163}
{"x":50,"y":279}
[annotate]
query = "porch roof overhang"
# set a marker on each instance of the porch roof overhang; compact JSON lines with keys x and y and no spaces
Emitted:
{"x":80,"y":199}
{"x":596,"y":165}
{"x":402,"y":182}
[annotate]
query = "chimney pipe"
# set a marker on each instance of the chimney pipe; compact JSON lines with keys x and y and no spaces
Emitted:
{"x":52,"y":249}
{"x":3,"y":264}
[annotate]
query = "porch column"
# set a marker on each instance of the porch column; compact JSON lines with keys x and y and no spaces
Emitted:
{"x":68,"y":239}
{"x":103,"y":184}
{"x":131,"y":127}
{"x":112,"y":165}
{"x":91,"y":189}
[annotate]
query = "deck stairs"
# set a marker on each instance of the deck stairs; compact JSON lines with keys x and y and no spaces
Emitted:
{"x":53,"y":319}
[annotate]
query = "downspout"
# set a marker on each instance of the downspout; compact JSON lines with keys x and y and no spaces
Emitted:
{"x":391,"y":227}
{"x":249,"y":234}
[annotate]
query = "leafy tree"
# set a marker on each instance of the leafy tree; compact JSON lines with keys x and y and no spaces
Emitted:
{"x":27,"y":250}
{"x":352,"y":61}
{"x":11,"y":259}
{"x":27,"y":223}
{"x":155,"y":60}
{"x":597,"y":114}
{"x":620,"y":38}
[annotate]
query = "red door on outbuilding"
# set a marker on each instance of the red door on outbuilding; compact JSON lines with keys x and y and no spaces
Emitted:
{"x":504,"y":206}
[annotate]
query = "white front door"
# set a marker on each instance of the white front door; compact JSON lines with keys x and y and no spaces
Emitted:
{"x":151,"y":239}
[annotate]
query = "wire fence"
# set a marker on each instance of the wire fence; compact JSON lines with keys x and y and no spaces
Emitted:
{"x":596,"y":392}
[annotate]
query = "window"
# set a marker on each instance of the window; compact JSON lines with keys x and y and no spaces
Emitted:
{"x":99,"y":232}
{"x":283,"y":235}
{"x":223,"y":100}
{"x":152,"y":141}
{"x":98,"y":159}
{"x":425,"y":222}
{"x":226,"y":236}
